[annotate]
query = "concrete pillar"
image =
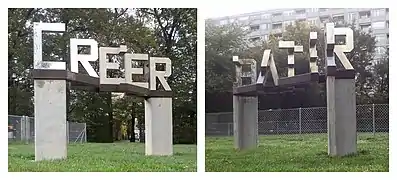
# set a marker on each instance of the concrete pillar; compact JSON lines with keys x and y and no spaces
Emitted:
{"x":50,"y":119}
{"x":341,"y":108}
{"x":158,"y":126}
{"x":245,"y":119}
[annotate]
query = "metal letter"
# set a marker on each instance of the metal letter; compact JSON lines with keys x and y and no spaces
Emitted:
{"x":313,"y":52}
{"x":84,"y":59}
{"x":239,"y":72}
{"x":159,"y":74}
{"x":330,"y":44}
{"x":268,"y":62}
{"x":290,"y":46}
{"x":129,"y":70}
{"x":38,"y":62}
{"x":104,"y":64}
{"x":340,"y":49}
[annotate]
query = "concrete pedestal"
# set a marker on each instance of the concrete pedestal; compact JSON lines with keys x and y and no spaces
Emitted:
{"x":245,"y":121}
{"x":158,"y":126}
{"x":341,"y":108}
{"x":50,"y":119}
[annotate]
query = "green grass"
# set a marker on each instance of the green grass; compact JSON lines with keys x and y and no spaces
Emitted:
{"x":111,"y":157}
{"x":295,"y":153}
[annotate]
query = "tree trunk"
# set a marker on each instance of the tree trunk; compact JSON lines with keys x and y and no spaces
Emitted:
{"x":132,"y":138}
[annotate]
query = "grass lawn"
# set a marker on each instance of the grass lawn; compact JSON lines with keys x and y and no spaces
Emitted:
{"x":292,"y":153}
{"x":98,"y":157}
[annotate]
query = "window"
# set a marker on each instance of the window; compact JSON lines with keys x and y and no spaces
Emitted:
{"x":266,"y":37}
{"x":288,"y":13}
{"x":264,"y":26}
{"x":255,"y":17}
{"x":223,"y":22}
{"x":254,"y":28}
{"x":313,"y":21}
{"x":351,"y":17}
{"x":365,"y":14}
{"x":277,"y":14}
{"x":287,"y":23}
{"x":277,"y":26}
{"x":339,"y":17}
{"x":387,"y":24}
{"x":243,"y":18}
{"x":301,"y":11}
{"x":324,"y":19}
{"x":378,"y":12}
{"x":378,"y":25}
{"x":313,"y":9}
{"x":366,"y":27}
{"x":265,"y":16}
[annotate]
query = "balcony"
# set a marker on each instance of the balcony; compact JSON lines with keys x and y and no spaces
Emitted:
{"x":277,"y":31}
{"x":378,"y":18}
{"x":364,"y":20}
{"x":323,"y":11}
{"x":364,"y":9}
{"x":256,"y":21}
{"x":300,"y":16}
{"x":336,"y":11}
{"x":255,"y":33}
{"x":277,"y":18}
{"x":380,"y":31}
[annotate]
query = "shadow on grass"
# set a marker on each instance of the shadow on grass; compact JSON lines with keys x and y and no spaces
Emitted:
{"x":359,"y":153}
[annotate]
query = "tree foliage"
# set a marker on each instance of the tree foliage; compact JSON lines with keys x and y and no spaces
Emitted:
{"x":158,"y":32}
{"x":223,"y":42}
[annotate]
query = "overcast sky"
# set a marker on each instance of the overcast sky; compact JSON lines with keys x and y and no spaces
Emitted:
{"x":221,"y":12}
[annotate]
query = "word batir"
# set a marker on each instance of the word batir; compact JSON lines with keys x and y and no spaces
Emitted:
{"x":85,"y":59}
{"x":331,"y":48}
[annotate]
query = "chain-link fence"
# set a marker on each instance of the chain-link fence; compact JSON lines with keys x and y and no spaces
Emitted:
{"x":371,"y":118}
{"x":21,"y":129}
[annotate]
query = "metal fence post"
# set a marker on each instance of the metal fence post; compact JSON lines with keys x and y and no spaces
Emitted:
{"x":228,"y":129}
{"x":373,"y":119}
{"x":27,"y":129}
{"x":85,"y":132}
{"x":23,"y":128}
{"x":300,"y":120}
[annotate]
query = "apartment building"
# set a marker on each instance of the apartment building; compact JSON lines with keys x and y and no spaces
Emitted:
{"x":262,"y":24}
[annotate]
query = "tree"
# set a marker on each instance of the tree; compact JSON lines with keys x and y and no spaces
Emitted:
{"x":176,"y":31}
{"x":221,"y":44}
{"x":311,"y":95}
{"x":105,"y":115}
{"x":381,"y":83}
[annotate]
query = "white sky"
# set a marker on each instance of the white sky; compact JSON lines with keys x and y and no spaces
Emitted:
{"x":214,"y":12}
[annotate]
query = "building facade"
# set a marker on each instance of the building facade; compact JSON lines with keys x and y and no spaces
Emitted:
{"x":262,"y":24}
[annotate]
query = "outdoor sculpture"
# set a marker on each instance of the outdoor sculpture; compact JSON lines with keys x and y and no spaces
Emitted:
{"x":50,"y":80}
{"x":341,"y":97}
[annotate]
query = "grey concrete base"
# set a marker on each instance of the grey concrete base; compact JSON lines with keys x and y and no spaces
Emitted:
{"x":50,"y":119}
{"x":341,"y":106}
{"x":245,"y":121}
{"x":158,"y":126}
